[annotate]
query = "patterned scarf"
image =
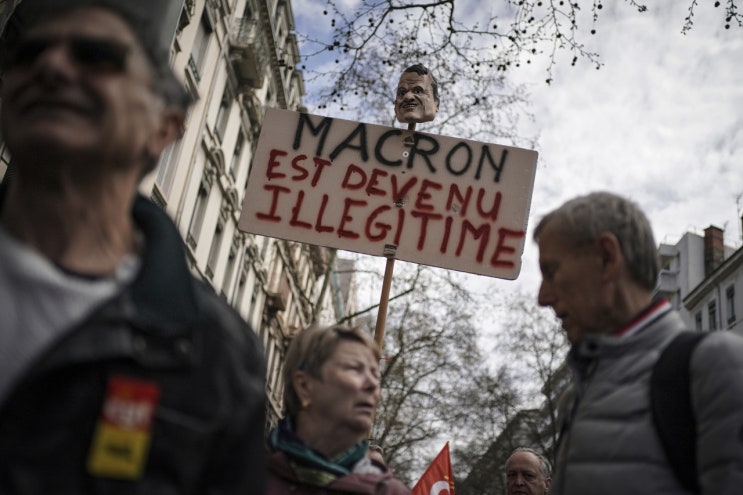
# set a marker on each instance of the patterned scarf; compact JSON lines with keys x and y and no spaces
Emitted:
{"x":312,"y":467}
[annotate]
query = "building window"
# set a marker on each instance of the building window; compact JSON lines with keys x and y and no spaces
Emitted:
{"x":229,"y":270}
{"x":237,"y":154}
{"x":189,"y":7}
{"x":698,"y":321}
{"x":712,"y":313}
{"x":254,"y":302}
{"x":241,"y":283}
{"x":200,"y":44}
{"x":211,"y":261}
{"x":730,"y":298}
{"x":223,"y":114}
{"x":197,"y":218}
{"x":168,"y":166}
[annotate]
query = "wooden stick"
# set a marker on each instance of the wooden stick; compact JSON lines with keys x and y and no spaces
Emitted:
{"x":384,"y":298}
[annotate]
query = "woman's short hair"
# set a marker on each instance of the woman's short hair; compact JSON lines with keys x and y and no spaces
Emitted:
{"x":309,"y":351}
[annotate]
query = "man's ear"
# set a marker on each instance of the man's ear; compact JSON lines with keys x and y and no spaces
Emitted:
{"x":169,"y":129}
{"x":611,"y":255}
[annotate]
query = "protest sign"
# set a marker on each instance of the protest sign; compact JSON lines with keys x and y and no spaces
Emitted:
{"x":440,"y":201}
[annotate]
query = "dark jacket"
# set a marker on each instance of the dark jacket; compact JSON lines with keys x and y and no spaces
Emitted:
{"x":172,"y":332}
{"x":283,"y":480}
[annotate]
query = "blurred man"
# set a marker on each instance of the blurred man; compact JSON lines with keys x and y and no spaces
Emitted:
{"x":599,"y":268}
{"x":417,"y":95}
{"x":527,"y":473}
{"x":119,"y":372}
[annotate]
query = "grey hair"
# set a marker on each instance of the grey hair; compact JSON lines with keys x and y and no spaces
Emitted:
{"x":585,"y":218}
{"x":544,"y":465}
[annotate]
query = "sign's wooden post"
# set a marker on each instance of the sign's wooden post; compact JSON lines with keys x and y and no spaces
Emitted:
{"x":384,"y":298}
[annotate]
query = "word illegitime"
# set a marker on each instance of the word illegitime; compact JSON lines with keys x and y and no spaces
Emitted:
{"x":377,"y":204}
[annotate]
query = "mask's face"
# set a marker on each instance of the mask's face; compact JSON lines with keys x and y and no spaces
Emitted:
{"x":414,"y":99}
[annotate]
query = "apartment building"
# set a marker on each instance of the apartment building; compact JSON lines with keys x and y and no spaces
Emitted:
{"x":690,"y":264}
{"x":237,"y":58}
{"x":716,"y":302}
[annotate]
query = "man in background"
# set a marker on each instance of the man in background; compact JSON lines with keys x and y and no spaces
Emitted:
{"x":119,"y":372}
{"x":527,"y":473}
{"x":599,"y":268}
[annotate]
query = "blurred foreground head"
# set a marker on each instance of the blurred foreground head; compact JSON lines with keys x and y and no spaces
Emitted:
{"x":598,"y":260}
{"x":81,"y":77}
{"x":152,"y":21}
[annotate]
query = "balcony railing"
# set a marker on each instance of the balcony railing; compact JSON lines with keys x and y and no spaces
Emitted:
{"x":248,"y":52}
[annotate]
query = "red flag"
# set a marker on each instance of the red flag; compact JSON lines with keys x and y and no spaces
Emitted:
{"x":438,"y":478}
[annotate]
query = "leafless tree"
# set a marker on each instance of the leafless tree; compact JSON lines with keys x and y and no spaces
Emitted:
{"x":532,"y":337}
{"x":356,"y":59}
{"x":437,"y":384}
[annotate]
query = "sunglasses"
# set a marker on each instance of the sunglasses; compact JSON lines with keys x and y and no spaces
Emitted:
{"x":95,"y":54}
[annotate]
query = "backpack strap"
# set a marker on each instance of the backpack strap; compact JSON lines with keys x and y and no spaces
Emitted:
{"x":673,"y":416}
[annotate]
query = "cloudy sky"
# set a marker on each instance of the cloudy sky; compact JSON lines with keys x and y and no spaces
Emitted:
{"x":660,"y":122}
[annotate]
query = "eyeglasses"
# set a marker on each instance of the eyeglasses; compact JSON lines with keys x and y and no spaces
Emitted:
{"x":95,"y":54}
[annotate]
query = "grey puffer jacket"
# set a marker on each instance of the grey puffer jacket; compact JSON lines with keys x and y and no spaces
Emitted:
{"x":609,"y":445}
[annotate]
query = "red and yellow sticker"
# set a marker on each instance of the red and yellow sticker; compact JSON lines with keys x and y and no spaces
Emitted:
{"x":121,"y":441}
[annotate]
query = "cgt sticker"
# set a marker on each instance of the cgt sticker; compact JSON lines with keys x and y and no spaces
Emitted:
{"x":121,"y":441}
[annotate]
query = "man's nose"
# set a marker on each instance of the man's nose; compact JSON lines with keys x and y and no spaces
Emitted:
{"x":544,"y":296}
{"x":55,"y":63}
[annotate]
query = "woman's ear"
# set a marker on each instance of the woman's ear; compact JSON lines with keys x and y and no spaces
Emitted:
{"x":302,"y":384}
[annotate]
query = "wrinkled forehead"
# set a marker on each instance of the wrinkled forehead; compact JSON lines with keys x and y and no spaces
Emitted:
{"x":523,"y":461}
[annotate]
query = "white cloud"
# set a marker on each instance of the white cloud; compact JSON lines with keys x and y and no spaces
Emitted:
{"x":659,"y":122}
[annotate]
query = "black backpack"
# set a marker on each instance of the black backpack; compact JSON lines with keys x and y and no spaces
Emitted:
{"x":670,"y":400}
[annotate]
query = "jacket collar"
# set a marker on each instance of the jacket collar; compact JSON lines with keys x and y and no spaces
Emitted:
{"x":163,"y":289}
{"x":162,"y":292}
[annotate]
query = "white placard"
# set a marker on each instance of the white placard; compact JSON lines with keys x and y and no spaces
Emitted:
{"x":441,"y":201}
